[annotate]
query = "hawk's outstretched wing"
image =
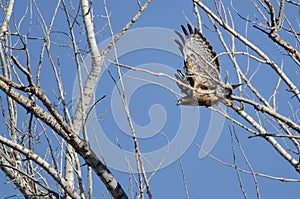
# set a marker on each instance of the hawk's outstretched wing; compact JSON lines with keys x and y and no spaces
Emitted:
{"x":202,"y":69}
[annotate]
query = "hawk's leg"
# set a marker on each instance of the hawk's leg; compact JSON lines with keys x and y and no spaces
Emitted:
{"x":228,"y":102}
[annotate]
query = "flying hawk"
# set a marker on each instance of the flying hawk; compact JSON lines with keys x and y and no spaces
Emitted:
{"x":202,"y":71}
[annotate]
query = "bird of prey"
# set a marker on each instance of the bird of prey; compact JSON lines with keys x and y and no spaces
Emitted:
{"x":202,"y":82}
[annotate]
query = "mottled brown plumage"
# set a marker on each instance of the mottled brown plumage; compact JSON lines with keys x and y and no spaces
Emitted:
{"x":202,"y":71}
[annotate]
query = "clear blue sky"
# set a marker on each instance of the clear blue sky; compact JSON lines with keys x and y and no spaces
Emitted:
{"x":154,"y":111}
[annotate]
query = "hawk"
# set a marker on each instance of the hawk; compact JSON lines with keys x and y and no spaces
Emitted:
{"x":202,"y":71}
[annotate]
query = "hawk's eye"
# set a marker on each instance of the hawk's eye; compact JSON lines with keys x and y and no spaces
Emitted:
{"x":179,"y":102}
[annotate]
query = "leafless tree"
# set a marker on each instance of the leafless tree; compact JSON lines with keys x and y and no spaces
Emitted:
{"x":34,"y":117}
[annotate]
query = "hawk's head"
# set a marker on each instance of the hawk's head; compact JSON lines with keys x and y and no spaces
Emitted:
{"x":187,"y":100}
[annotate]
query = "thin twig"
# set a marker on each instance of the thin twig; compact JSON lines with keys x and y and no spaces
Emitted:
{"x":139,"y":161}
{"x":235,"y":166}
{"x":282,"y":179}
{"x":247,"y":162}
{"x":184,"y":180}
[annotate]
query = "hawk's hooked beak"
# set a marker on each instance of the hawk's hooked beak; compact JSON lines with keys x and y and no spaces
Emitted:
{"x":236,"y":85}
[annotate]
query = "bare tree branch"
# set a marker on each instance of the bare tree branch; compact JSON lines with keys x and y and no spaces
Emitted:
{"x":284,"y":77}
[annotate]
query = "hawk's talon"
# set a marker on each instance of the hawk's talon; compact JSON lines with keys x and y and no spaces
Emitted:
{"x":242,"y":106}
